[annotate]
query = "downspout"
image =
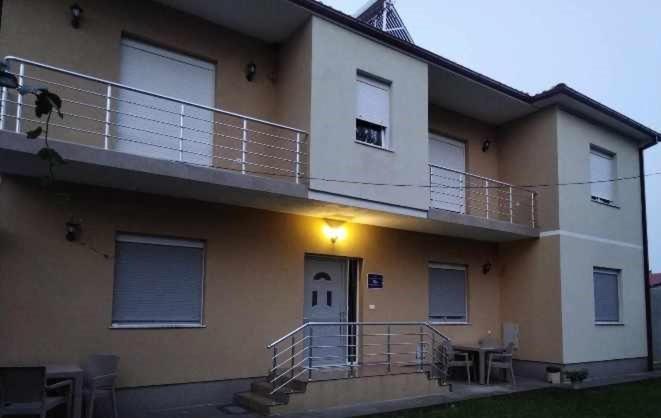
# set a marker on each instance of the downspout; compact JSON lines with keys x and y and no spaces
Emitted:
{"x":646,"y":261}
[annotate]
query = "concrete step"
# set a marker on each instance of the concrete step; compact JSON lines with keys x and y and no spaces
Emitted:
{"x":256,"y":402}
{"x":265,"y":388}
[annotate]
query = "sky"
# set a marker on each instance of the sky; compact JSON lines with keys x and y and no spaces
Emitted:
{"x":609,"y":50}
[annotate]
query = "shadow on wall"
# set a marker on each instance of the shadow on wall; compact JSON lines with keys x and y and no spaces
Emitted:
{"x":655,"y":294}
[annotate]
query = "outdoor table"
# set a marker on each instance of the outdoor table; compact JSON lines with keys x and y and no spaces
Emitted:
{"x":73,"y":372}
{"x":482,"y":355}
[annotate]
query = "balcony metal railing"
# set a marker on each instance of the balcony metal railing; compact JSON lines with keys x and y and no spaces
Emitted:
{"x":470,"y":194}
{"x":113,"y":116}
{"x":343,"y":350}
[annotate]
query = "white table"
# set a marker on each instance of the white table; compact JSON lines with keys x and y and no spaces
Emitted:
{"x":482,"y":355}
{"x":73,"y":372}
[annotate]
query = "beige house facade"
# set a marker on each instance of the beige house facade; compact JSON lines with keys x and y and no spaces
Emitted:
{"x":188,"y":234}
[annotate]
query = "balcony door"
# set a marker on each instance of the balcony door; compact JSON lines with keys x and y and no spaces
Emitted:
{"x":156,"y":127}
{"x":448,"y":159}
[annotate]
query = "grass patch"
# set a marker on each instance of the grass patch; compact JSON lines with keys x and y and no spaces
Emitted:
{"x":641,"y":399}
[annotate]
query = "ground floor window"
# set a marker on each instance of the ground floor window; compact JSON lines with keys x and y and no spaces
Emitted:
{"x":158,"y":281}
{"x":606,"y":295}
{"x":448,"y":300}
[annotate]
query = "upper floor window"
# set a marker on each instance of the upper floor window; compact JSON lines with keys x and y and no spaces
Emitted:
{"x":606,"y":295}
{"x":158,"y":282}
{"x":602,"y":171}
{"x":448,"y":301}
{"x":372,"y":111}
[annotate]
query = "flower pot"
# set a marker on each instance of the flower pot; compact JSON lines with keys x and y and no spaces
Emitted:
{"x":553,"y":378}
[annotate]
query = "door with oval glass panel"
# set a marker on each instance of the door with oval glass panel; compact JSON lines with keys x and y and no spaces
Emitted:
{"x":326,"y":301}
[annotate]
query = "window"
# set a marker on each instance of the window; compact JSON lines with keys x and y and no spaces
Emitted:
{"x":447,"y":293}
{"x":606,"y":295}
{"x":158,"y":282}
{"x":372,"y":111}
{"x":602,"y":167}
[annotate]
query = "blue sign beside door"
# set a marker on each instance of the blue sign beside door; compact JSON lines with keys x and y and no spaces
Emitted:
{"x":374,"y":281}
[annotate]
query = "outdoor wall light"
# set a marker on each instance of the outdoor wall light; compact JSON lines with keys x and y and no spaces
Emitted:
{"x":7,"y":79}
{"x":73,"y":231}
{"x":76,"y":15}
{"x":334,"y":230}
{"x":251,"y":71}
{"x":486,"y":145}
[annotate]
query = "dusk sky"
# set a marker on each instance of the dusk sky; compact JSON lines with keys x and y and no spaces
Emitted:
{"x":610,"y":51}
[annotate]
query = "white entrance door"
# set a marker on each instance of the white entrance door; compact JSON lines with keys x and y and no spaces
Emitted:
{"x":448,"y":186}
{"x":152,"y":126}
{"x":326,"y":301}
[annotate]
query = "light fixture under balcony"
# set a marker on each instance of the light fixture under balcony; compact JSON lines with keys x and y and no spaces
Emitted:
{"x":334,"y":230}
{"x":76,"y":15}
{"x":251,"y":71}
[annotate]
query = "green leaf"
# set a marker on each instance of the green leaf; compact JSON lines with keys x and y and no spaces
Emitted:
{"x":33,"y":134}
{"x":50,"y":155}
{"x":43,"y":105}
{"x":55,"y":101}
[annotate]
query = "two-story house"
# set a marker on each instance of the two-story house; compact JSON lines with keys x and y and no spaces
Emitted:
{"x":277,"y":189}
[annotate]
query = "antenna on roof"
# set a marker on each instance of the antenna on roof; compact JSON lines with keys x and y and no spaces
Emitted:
{"x":383,"y":15}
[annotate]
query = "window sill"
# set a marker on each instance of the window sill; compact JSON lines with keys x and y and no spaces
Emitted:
{"x":157,"y":326}
{"x":610,"y":205}
{"x":374,"y":146}
{"x":616,"y":324}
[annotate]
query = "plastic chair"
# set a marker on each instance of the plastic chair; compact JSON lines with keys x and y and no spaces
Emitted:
{"x":460,"y":359}
{"x":99,"y":381}
{"x":25,"y":392}
{"x":503,"y":361}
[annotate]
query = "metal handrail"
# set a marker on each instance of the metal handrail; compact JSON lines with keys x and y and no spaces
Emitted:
{"x":502,"y":183}
{"x":278,"y":153}
{"x":149,"y":93}
{"x":488,"y":198}
{"x":308,"y":324}
{"x":430,"y":355}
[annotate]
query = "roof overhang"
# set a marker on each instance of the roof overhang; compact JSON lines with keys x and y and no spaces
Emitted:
{"x":577,"y":103}
{"x":271,"y":21}
{"x":461,"y":94}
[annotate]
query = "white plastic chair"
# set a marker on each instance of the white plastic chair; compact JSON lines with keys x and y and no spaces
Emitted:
{"x":100,"y":378}
{"x":460,"y":359}
{"x":502,"y":360}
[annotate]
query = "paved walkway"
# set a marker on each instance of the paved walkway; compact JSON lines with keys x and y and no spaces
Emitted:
{"x":460,"y":392}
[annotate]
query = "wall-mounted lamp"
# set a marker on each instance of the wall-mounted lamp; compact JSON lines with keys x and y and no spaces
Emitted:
{"x":334,"y":230}
{"x":72,"y":231}
{"x":76,"y":15}
{"x":251,"y":71}
{"x":486,"y":145}
{"x":7,"y":79}
{"x":486,"y":268}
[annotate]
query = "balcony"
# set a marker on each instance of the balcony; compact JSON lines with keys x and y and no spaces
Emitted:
{"x":114,"y":135}
{"x":110,"y":130}
{"x":472,"y":200}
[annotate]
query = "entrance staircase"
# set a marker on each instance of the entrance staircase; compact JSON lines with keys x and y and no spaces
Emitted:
{"x":378,"y":361}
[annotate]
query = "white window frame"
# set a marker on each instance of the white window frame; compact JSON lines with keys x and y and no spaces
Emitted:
{"x":173,"y":242}
{"x":618,"y":275}
{"x":596,"y":151}
{"x":379,"y":83}
{"x":460,"y":267}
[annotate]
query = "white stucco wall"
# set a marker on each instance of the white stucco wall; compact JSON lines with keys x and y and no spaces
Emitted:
{"x":577,"y":212}
{"x":595,"y":235}
{"x":585,"y":341}
{"x":337,"y":55}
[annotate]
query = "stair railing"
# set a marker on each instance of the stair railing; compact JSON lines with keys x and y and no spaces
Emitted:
{"x":344,"y":350}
